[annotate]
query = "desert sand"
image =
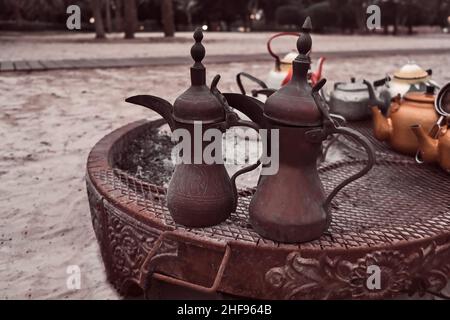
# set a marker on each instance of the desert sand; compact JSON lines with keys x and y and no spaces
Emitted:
{"x":49,"y":121}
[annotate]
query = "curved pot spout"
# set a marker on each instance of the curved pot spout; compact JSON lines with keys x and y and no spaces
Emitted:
{"x":159,"y":105}
{"x":382,"y":126}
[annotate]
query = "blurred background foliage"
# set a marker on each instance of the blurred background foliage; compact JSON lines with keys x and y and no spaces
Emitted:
{"x":130,"y":16}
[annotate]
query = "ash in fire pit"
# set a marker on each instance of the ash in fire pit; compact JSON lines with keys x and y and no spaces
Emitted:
{"x":148,"y":156}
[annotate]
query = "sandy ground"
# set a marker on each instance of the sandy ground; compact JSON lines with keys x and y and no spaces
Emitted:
{"x":48,"y":123}
{"x":75,"y":45}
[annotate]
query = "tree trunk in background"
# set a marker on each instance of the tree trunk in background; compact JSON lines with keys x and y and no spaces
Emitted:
{"x":97,"y":10}
{"x":189,"y":19}
{"x":16,"y":11}
{"x":437,"y":11}
{"x":108,"y":16}
{"x":167,"y":18}
{"x":118,"y":16}
{"x":130,"y":18}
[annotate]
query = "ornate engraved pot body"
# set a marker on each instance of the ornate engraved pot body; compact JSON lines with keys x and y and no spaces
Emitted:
{"x":295,"y":211}
{"x":290,"y":205}
{"x":200,"y":193}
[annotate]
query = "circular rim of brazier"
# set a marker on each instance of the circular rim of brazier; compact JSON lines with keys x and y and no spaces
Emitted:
{"x":129,"y":215}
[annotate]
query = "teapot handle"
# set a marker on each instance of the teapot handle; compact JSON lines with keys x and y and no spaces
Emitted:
{"x":363,"y":141}
{"x":332,"y":127}
{"x":252,"y":78}
{"x":237,"y":122}
{"x":232,"y":120}
{"x":269,"y":46}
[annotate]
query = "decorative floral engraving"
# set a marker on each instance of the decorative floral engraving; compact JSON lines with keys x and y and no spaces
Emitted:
{"x":430,"y":268}
{"x":128,"y":244}
{"x":337,"y":277}
{"x":394,"y":275}
{"x":96,"y":207}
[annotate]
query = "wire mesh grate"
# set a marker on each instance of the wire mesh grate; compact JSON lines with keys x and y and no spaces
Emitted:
{"x":396,"y":201}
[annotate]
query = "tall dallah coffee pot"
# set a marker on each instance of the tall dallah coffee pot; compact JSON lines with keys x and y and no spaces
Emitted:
{"x":291,"y":205}
{"x":199,"y":193}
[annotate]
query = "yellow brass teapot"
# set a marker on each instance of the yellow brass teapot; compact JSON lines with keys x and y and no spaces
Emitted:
{"x":415,"y":108}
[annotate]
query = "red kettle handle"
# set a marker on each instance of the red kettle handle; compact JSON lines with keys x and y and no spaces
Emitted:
{"x":269,"y":45}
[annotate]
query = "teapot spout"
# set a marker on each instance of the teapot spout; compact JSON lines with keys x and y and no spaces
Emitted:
{"x":251,"y":107}
{"x":160,"y":106}
{"x":428,"y":147}
{"x":382,"y":126}
{"x":373,"y":99}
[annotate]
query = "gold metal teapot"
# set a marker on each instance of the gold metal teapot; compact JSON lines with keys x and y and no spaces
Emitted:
{"x":415,"y":108}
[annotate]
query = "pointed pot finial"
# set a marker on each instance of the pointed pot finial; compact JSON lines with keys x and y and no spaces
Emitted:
{"x":304,"y":41}
{"x":307,"y":25}
{"x":198,"y":71}
{"x":198,"y":50}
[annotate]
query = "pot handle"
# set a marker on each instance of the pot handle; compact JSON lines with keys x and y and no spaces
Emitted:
{"x":237,"y":122}
{"x":232,"y":120}
{"x":269,"y":46}
{"x":148,"y":267}
{"x":266,"y":92}
{"x":364,"y":142}
{"x":250,"y":77}
{"x":337,"y":84}
{"x":332,"y":127}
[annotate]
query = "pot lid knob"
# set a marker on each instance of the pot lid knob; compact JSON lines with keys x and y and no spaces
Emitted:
{"x":198,"y":50}
{"x":198,"y":103}
{"x":293,"y":104}
{"x":304,"y":41}
{"x":198,"y":71}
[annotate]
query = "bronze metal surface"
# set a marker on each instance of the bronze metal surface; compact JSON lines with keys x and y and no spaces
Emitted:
{"x":393,"y":217}
{"x":199,"y":194}
{"x":290,"y":205}
{"x":414,"y":109}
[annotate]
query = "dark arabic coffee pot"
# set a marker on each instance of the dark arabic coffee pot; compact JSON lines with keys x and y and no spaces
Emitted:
{"x":291,"y":205}
{"x":199,"y":194}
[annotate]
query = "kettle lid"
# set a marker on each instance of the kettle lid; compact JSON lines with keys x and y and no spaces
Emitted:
{"x":422,"y":97}
{"x":293,"y":103}
{"x":198,"y":103}
{"x":288,"y":58}
{"x":411,"y":71}
{"x":351,"y":86}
